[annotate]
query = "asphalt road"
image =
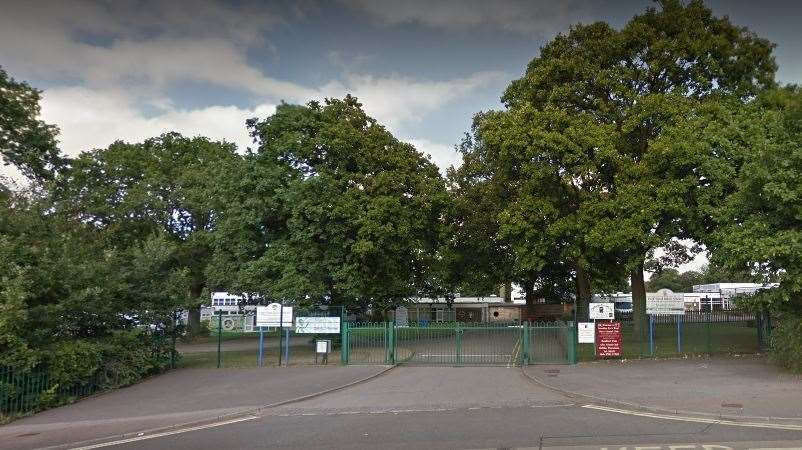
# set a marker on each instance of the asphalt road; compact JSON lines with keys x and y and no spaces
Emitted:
{"x":460,"y":408}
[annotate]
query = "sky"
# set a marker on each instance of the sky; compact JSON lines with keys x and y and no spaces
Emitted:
{"x":130,"y":70}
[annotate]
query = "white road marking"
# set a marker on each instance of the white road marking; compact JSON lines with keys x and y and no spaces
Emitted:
{"x":166,"y":433}
{"x":410,"y":411}
{"x":772,"y":426}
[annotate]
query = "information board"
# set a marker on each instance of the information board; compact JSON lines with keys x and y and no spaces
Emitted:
{"x":317,"y":325}
{"x":602,"y":311}
{"x":271,"y":316}
{"x":401,"y":316}
{"x":665,"y":302}
{"x":608,"y":339}
{"x":586,"y":332}
{"x":323,"y":346}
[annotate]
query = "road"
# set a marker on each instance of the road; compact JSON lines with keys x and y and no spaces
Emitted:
{"x":459,"y":408}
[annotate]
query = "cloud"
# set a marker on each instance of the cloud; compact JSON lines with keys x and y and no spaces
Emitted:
{"x":442,"y":155}
{"x":397,"y":101}
{"x":112,"y":67}
{"x":517,"y":16}
{"x":147,"y":44}
{"x":113,"y":116}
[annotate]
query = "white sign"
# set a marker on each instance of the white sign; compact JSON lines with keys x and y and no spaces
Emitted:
{"x":586,"y":332}
{"x":315,"y":325}
{"x":602,"y":311}
{"x":665,"y":302}
{"x":322,"y":346}
{"x":271,"y":316}
{"x":401,"y":316}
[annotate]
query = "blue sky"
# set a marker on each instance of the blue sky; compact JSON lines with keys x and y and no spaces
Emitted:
{"x":133,"y":69}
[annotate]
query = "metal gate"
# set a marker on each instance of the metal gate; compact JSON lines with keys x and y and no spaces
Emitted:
{"x":459,"y":343}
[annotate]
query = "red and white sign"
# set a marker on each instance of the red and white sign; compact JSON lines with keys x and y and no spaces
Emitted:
{"x":608,"y":339}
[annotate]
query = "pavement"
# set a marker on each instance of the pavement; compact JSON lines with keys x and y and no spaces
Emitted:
{"x":435,"y":408}
{"x":740,"y":388}
{"x":460,"y":408}
{"x":178,"y":397}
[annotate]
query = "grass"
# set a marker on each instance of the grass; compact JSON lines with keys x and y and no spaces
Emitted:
{"x":248,"y":358}
{"x":697,"y":339}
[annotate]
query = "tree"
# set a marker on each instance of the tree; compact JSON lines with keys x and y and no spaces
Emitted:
{"x":758,"y":227}
{"x":64,"y":290}
{"x":533,"y":172}
{"x":637,"y":81}
{"x":26,"y":141}
{"x":164,"y":186}
{"x":361,"y":210}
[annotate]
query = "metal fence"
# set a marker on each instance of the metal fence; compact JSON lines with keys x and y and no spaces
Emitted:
{"x":694,"y":333}
{"x":23,"y":392}
{"x":551,"y":343}
{"x":239,"y":346}
{"x":458,"y":343}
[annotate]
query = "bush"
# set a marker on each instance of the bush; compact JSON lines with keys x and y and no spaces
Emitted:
{"x":129,"y":356}
{"x":786,"y":343}
{"x":71,"y":362}
{"x":71,"y":369}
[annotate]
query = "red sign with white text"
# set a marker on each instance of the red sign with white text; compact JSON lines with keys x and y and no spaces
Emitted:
{"x":608,"y":339}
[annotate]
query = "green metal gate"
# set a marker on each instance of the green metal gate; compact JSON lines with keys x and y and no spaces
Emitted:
{"x":456,"y":343}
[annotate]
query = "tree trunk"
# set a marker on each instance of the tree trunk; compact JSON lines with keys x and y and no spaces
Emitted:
{"x":529,"y":294}
{"x":638,"y":302}
{"x":583,"y":294}
{"x":194,"y":324}
{"x":505,"y":292}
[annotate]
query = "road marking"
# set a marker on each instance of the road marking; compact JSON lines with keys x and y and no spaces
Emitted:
{"x":772,"y":426}
{"x":166,"y":433}
{"x":411,"y":411}
{"x":514,"y":352}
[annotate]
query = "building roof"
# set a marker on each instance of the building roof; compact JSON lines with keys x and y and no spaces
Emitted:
{"x":490,"y":300}
{"x":733,"y":287}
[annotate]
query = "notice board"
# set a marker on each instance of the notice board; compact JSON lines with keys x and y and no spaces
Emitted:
{"x":608,"y":339}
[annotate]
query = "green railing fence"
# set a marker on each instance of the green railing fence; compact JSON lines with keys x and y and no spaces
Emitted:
{"x":457,"y":343}
{"x":23,"y":392}
{"x":695,"y":333}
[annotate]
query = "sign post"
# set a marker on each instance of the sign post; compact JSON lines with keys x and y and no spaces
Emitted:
{"x":317,"y":325}
{"x":275,"y":315}
{"x":219,"y":337}
{"x":586,"y":333}
{"x":261,"y":346}
{"x":601,"y":311}
{"x":665,"y":303}
{"x":322,"y":349}
{"x":280,"y":334}
{"x":608,"y":339}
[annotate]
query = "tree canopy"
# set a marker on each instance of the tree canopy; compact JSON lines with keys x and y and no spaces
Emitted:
{"x":26,"y":142}
{"x":627,"y":87}
{"x":354,"y":214}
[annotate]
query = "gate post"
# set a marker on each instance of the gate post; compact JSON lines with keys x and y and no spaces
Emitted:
{"x":344,"y":344}
{"x":525,"y":344}
{"x":571,"y":334}
{"x":459,"y":343}
{"x":392,"y":342}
